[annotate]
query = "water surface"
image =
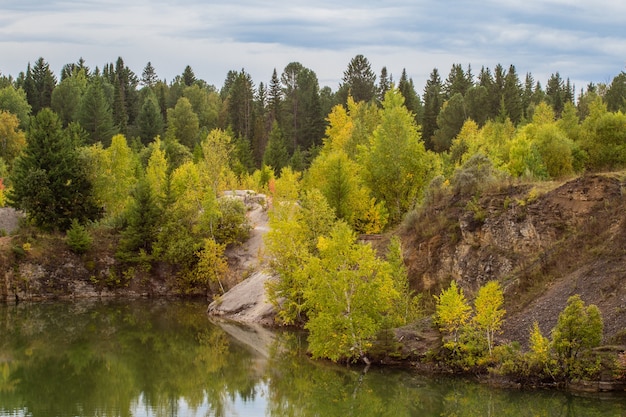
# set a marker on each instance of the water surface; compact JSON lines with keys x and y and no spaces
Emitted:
{"x":166,"y":358}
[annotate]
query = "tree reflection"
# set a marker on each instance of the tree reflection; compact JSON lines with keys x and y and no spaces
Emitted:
{"x":159,"y":358}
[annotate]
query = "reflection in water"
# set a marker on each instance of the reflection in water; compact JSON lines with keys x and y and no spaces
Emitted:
{"x":165,"y":358}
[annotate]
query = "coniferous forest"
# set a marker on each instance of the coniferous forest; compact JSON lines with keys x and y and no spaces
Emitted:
{"x":108,"y":148}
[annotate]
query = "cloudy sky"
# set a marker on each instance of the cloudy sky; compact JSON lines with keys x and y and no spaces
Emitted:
{"x":582,"y":40}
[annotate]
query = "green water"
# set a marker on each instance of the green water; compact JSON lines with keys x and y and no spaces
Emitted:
{"x":165,"y":358}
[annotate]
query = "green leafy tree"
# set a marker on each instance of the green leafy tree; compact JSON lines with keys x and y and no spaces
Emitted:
{"x":49,"y":181}
{"x":67,"y":95}
{"x":12,"y":139}
{"x":13,"y":100}
{"x":183,"y":124}
{"x":577,"y":331}
{"x":538,"y":358}
{"x":452,"y":312}
{"x":396,"y":165}
{"x":114,"y":175}
{"x":206,"y":103}
{"x":212,"y":265}
{"x":288,"y":243}
{"x":180,"y":231}
{"x":157,"y":175}
{"x":349,"y":293}
{"x":489,"y":314}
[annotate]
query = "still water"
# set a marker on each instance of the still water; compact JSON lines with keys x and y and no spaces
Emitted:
{"x":166,"y":358}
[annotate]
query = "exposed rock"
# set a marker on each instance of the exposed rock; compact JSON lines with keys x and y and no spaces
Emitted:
{"x":543,"y":246}
{"x":247,"y":301}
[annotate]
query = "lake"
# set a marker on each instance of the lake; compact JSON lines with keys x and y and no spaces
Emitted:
{"x":167,"y":358}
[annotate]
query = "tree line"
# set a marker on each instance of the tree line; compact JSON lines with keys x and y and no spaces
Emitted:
{"x":150,"y":160}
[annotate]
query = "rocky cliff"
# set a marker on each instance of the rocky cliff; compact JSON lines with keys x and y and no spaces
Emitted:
{"x":543,"y":242}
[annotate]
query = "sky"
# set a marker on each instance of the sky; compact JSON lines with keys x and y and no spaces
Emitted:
{"x":582,"y":40}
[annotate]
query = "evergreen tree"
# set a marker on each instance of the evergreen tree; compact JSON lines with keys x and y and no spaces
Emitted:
{"x":411,"y":99}
{"x":125,"y":97}
{"x":449,"y":121}
{"x":95,"y":114}
{"x":615,"y":96}
{"x":276,"y":155}
{"x":556,"y":93}
{"x":240,"y":103}
{"x":432,"y":105}
{"x":12,"y":139}
{"x":141,"y":218}
{"x":274,"y":98}
{"x":188,"y":76}
{"x":384,"y":84}
{"x":457,"y":82}
{"x":359,"y":81}
{"x":39,"y":84}
{"x":512,"y":96}
{"x":148,"y":76}
{"x":301,"y":119}
{"x":476,"y":104}
{"x":49,"y":180}
{"x":149,"y":122}
{"x":496,"y":91}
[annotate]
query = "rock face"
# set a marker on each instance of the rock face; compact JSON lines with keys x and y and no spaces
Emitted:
{"x":246,"y":302}
{"x":543,"y":246}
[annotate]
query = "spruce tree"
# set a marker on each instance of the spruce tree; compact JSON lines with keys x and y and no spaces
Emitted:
{"x":49,"y":180}
{"x":432,"y":105}
{"x":95,"y":114}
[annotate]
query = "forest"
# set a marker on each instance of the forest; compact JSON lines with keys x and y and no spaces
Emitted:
{"x":148,"y":161}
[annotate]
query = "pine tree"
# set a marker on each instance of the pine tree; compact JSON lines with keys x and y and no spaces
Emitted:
{"x":359,"y":81}
{"x":149,"y":121}
{"x":384,"y":84}
{"x":512,"y":96}
{"x":432,"y":107}
{"x":411,"y":100}
{"x":95,"y":114}
{"x":49,"y":180}
{"x":40,"y":82}
{"x":188,"y":76}
{"x":148,"y":76}
{"x":274,"y":98}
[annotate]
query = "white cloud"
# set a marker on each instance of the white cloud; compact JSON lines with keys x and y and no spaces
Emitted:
{"x":213,"y":37}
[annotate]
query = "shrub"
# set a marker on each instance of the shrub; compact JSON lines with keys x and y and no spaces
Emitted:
{"x":78,"y":238}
